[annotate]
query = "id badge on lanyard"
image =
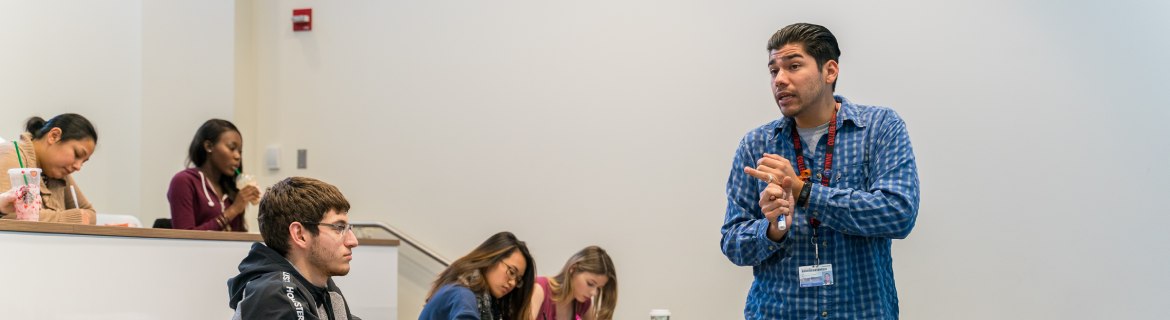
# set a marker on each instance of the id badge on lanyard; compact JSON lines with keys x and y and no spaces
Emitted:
{"x":817,"y":274}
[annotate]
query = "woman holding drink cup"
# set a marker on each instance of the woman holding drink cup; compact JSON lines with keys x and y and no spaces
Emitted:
{"x":39,"y":165}
{"x":208,"y":196}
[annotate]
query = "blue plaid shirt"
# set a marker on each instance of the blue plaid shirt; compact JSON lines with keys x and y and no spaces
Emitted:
{"x":872,"y":198}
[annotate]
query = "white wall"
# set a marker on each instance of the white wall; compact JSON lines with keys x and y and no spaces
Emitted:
{"x":157,"y":278}
{"x":1036,"y":127}
{"x":614,"y":122}
{"x":59,"y":58}
{"x":188,"y":73}
{"x":146,"y":73}
{"x":378,"y":93}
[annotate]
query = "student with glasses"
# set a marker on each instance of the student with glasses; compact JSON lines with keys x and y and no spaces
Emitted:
{"x":492,"y":282}
{"x":307,"y":241}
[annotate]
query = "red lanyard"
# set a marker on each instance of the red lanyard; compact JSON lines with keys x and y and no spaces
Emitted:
{"x":805,"y":174}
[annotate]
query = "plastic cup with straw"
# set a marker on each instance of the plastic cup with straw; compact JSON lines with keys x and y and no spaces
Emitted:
{"x":244,"y":180}
{"x":30,"y":205}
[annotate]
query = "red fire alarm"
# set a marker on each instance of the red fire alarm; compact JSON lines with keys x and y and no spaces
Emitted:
{"x":302,"y":19}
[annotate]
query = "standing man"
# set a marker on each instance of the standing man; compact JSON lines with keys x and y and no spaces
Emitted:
{"x":815,"y":197}
{"x":307,"y":240}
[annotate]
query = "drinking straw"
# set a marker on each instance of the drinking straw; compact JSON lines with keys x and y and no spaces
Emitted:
{"x":20,"y":160}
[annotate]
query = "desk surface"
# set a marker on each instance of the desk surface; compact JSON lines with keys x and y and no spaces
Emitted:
{"x":65,"y":228}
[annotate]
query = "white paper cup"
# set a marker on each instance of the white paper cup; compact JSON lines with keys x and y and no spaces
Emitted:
{"x":659,"y":314}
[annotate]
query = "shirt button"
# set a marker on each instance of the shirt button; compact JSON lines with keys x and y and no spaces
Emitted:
{"x":816,"y":213}
{"x":771,"y":248}
{"x":825,"y":314}
{"x":825,"y":243}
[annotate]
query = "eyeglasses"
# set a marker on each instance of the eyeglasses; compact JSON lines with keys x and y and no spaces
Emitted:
{"x":514,"y":274}
{"x":340,"y":227}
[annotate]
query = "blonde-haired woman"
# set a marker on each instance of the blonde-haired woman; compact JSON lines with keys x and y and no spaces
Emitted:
{"x":585,"y":289}
{"x":492,"y":282}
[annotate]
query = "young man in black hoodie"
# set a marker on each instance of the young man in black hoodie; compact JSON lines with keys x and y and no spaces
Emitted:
{"x":305,"y":225}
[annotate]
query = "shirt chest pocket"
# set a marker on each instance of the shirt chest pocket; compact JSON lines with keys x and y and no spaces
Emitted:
{"x":851,"y":176}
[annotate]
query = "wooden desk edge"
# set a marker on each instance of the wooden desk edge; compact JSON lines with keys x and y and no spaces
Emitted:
{"x":79,"y":229}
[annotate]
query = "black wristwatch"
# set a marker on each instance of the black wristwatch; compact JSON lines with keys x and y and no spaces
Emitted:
{"x":802,"y":200}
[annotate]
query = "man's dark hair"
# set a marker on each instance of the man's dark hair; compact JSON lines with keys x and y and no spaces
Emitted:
{"x":816,"y":40}
{"x":296,"y":199}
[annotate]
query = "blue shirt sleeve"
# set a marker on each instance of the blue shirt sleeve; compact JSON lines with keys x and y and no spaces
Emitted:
{"x":745,"y":229}
{"x":887,"y":207}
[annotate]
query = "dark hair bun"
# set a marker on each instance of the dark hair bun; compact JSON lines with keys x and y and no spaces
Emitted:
{"x":34,"y":125}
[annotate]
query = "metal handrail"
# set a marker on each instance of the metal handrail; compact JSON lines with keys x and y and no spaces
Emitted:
{"x":402,"y":236}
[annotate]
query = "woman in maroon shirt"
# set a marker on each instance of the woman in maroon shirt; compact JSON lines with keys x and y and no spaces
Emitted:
{"x":205,"y":197}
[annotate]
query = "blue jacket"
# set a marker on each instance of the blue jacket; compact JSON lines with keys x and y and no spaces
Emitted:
{"x":451,"y":302}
